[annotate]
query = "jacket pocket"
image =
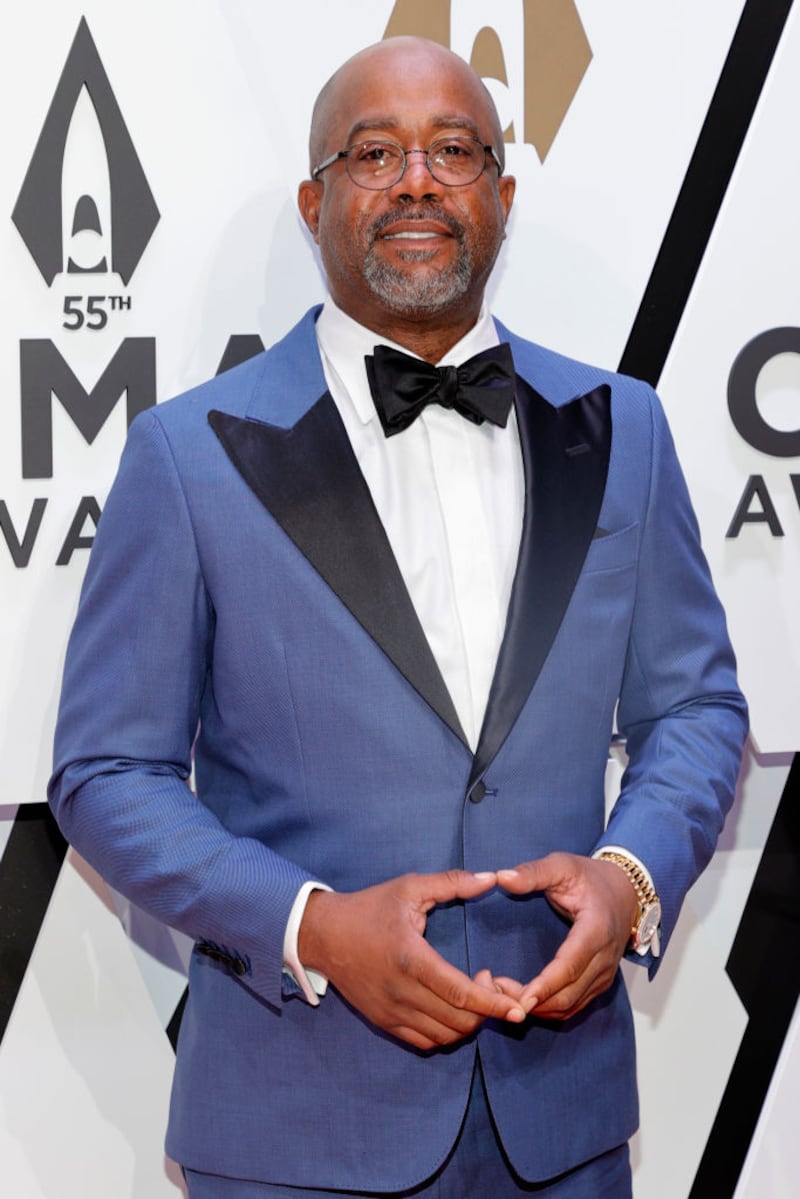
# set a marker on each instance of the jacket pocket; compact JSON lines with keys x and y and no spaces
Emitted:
{"x":613,"y":551}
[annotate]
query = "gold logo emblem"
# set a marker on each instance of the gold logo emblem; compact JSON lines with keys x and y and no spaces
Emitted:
{"x":556,"y":56}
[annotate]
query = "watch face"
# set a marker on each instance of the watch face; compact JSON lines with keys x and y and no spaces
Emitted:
{"x":648,"y":925}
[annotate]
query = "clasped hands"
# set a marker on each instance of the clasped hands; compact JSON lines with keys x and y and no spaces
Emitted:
{"x":370,"y":944}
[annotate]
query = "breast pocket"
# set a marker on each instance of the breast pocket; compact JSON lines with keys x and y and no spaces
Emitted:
{"x":613,"y":550}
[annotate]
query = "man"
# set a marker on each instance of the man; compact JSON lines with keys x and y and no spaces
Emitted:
{"x":404,"y":650}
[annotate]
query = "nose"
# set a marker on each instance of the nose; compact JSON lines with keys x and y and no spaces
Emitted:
{"x":417,"y":183}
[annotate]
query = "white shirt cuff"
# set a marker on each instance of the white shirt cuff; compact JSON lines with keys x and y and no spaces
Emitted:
{"x":311,"y":982}
{"x":655,"y":945}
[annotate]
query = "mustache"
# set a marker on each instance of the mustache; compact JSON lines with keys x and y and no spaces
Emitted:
{"x":422,"y":212}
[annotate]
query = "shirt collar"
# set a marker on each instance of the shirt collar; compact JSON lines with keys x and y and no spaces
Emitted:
{"x":344,"y":343}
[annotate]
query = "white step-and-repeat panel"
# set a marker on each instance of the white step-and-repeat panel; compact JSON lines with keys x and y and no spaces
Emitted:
{"x":149,"y":237}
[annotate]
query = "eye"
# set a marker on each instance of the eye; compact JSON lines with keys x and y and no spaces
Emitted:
{"x":377,"y":155}
{"x":454,"y":150}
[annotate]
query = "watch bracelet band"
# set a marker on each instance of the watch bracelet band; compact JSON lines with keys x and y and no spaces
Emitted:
{"x":645,"y":891}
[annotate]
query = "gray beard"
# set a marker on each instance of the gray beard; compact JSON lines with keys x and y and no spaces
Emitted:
{"x":413,"y":293}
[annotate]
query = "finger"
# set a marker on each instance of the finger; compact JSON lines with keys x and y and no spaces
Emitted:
{"x":551,"y":995}
{"x":484,"y":979}
{"x":566,"y":982}
{"x":445,"y":885}
{"x":570,"y":1000}
{"x":429,"y":1017}
{"x":461,"y":993}
{"x":418,"y":1003}
{"x":509,"y":986}
{"x":541,"y":874}
{"x":438,"y":1021}
{"x":506,"y":986}
{"x":571,"y":960}
{"x":425,"y":1034}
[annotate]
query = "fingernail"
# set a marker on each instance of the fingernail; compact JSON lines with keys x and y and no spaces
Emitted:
{"x":508,"y":873}
{"x":516,"y":1015}
{"x":484,"y":875}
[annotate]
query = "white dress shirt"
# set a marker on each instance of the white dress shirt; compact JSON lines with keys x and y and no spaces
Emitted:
{"x":450,"y":496}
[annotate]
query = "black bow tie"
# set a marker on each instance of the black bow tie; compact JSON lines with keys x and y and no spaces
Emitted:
{"x":482,"y":388}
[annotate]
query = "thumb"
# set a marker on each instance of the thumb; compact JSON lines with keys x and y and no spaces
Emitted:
{"x":445,"y":885}
{"x":542,"y":874}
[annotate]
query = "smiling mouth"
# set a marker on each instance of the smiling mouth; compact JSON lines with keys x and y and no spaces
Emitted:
{"x":416,"y":235}
{"x":425,"y":224}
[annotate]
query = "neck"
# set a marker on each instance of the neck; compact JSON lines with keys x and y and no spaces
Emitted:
{"x":429,"y":337}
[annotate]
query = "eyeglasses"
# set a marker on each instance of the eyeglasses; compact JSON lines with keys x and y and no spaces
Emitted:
{"x":454,"y":161}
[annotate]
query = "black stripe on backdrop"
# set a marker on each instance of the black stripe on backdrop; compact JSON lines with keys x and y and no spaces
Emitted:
{"x":764,"y":967}
{"x":763,"y":964}
{"x":718,"y":146}
{"x":28,"y":873}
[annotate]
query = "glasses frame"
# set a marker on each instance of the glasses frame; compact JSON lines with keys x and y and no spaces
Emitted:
{"x":488,"y":153}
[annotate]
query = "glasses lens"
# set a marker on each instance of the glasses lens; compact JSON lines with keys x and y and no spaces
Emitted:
{"x":451,"y":160}
{"x":375,"y":164}
{"x":456,"y":160}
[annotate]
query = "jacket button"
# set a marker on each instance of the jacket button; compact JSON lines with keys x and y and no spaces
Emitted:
{"x":477,"y":793}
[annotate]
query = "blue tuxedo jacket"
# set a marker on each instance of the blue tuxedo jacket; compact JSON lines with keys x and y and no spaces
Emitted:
{"x":241,"y":584}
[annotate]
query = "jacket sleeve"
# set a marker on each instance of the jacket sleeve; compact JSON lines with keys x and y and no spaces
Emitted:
{"x":680,"y":708}
{"x":136,"y":668}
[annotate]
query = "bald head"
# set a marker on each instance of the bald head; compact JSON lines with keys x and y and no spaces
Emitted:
{"x":399,"y":64}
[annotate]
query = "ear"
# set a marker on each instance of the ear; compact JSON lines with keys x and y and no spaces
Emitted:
{"x":309,"y":200}
{"x":506,"y":186}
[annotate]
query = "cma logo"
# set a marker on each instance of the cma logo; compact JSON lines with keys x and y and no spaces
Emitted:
{"x":532,"y":59}
{"x":85,"y":206}
{"x":756,"y":505}
{"x":46,"y":376}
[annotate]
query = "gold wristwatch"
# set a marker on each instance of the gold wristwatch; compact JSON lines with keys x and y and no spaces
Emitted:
{"x":643,"y":933}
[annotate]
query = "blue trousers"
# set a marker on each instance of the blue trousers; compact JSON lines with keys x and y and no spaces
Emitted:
{"x":476,"y":1168}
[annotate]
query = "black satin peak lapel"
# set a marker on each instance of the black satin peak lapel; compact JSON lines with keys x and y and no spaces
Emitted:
{"x":308,"y":478}
{"x":565,"y":453}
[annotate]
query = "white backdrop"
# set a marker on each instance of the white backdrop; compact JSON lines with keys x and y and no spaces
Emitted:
{"x":216,"y":98}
